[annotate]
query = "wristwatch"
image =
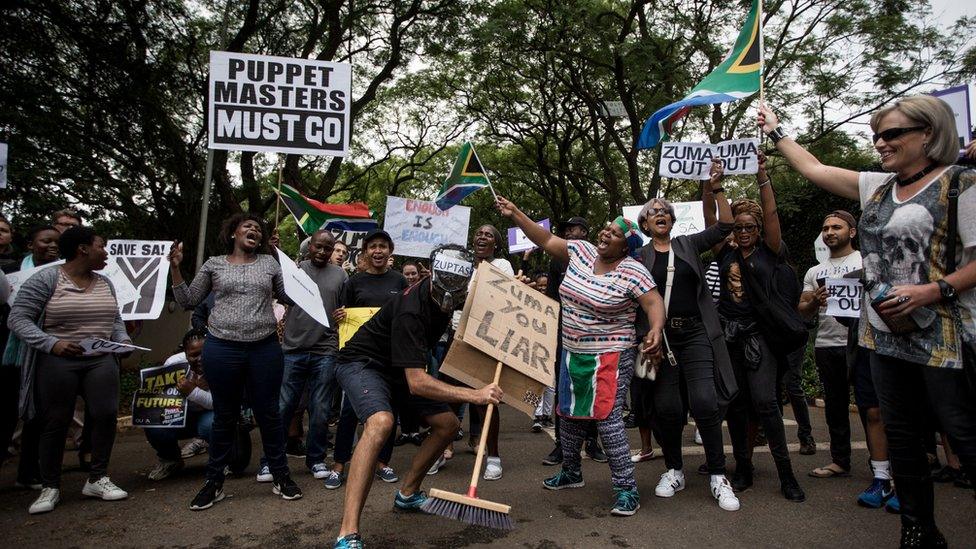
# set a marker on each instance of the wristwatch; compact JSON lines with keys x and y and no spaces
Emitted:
{"x":776,"y":134}
{"x":946,"y":289}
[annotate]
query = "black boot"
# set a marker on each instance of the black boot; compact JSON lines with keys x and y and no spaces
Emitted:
{"x":787,"y":482}
{"x":742,"y":478}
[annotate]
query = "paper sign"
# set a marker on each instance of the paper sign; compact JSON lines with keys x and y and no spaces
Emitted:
{"x":689,"y":218}
{"x":694,"y":160}
{"x":844,"y":297}
{"x":418,"y":226}
{"x":820,"y":250}
{"x":17,"y":279}
{"x":158,"y":410}
{"x":302,"y":289}
{"x":958,"y":100}
{"x":513,"y":323}
{"x":144,"y":264}
{"x":279,"y":104}
{"x":444,"y":263}
{"x":163,"y":379}
{"x":97,"y":346}
{"x":125,"y":292}
{"x":518,"y":242}
{"x":355,"y":317}
{"x":476,"y":369}
{"x":3,"y":165}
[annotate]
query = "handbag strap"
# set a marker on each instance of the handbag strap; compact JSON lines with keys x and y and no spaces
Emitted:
{"x":952,"y":221}
{"x":669,"y":282}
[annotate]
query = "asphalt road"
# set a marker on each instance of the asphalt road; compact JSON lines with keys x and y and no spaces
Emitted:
{"x":157,"y":515}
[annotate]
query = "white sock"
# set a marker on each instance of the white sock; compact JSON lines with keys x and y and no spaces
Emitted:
{"x":882,"y":469}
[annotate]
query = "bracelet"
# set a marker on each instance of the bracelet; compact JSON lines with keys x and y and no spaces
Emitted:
{"x":776,"y":134}
{"x":766,"y":182}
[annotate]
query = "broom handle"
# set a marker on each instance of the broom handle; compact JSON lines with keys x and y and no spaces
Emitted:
{"x":483,"y":443}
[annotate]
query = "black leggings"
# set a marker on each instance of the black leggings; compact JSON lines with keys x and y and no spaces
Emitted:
{"x":59,"y":381}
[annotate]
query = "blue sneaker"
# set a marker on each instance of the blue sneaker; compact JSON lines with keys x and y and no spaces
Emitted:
{"x":876,"y":495}
{"x":349,"y":541}
{"x":628,"y":502}
{"x":412,"y":503}
{"x":894,"y":505}
{"x":564,"y":479}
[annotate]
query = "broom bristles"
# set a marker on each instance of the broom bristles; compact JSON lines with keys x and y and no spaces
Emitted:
{"x":469,"y":514}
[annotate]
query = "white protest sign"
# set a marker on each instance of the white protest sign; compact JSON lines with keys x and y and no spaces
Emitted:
{"x":518,"y":242}
{"x":689,"y":218}
{"x":958,"y":99}
{"x":302,"y":289}
{"x":844,"y":296}
{"x":448,"y":264}
{"x":97,"y":345}
{"x":3,"y":165}
{"x":143,"y":263}
{"x":694,"y":160}
{"x":17,"y":279}
{"x":279,"y":104}
{"x":125,"y":292}
{"x":418,"y":226}
{"x":820,"y":249}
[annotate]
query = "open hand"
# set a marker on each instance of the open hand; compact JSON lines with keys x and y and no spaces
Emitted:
{"x":176,"y":254}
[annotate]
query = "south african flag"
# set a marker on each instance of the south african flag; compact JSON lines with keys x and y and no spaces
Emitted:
{"x":467,"y":176}
{"x":587,"y":384}
{"x":313,"y":215}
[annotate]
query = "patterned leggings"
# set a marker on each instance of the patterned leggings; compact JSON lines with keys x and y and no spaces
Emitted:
{"x":612,"y":432}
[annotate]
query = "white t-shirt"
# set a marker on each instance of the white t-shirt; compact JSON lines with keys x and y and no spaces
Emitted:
{"x":499,"y":263}
{"x":831,"y":333}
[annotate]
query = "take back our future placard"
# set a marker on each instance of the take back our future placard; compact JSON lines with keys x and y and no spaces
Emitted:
{"x":694,"y":160}
{"x":279,"y":104}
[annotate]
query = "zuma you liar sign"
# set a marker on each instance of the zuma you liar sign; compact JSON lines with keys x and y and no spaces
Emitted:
{"x":279,"y":104}
{"x":694,"y":160}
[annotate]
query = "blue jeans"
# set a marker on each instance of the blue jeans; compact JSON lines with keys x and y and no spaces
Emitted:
{"x":231,"y":368}
{"x":166,"y":441}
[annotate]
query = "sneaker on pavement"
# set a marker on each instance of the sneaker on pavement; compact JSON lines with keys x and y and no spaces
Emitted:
{"x":386,"y":474}
{"x":412,"y":503}
{"x":723,"y":493}
{"x":703,"y":469}
{"x":349,"y":541}
{"x":537,"y":424}
{"x":628,"y":502}
{"x":28,"y":483}
{"x":594,"y":452}
{"x":893,"y":505}
{"x":195,"y":447}
{"x":876,"y":495}
{"x":639,"y":456}
{"x":808,"y":447}
{"x":211,"y":493}
{"x":333,"y":479}
{"x":555,"y":457}
{"x":295,"y":448}
{"x":46,"y":502}
{"x":791,"y":490}
{"x":564,"y":479}
{"x":672,"y":482}
{"x":436,"y":467}
{"x":264,"y":474}
{"x":493,"y":468}
{"x":319,"y":471}
{"x":285,"y":487}
{"x":164,"y":469}
{"x":103,"y":489}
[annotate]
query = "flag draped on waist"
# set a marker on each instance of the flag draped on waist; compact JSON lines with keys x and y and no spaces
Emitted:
{"x":737,"y":77}
{"x":312,"y":215}
{"x":587,"y":384}
{"x":467,"y":176}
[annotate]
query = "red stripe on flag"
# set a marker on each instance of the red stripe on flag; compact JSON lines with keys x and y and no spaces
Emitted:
{"x":606,"y":385}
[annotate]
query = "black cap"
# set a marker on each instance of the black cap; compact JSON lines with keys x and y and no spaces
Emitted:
{"x":578,"y":221}
{"x":377,"y":233}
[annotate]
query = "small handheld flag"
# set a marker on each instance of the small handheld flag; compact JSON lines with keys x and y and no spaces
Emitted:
{"x":466,"y":177}
{"x":312,"y":215}
{"x":737,"y":77}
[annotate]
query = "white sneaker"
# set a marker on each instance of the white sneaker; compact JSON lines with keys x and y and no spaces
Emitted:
{"x":672,"y":481}
{"x":195,"y":447}
{"x":436,"y":467}
{"x":320,"y":471}
{"x":104,"y":490}
{"x":698,"y":439}
{"x":722,"y":491}
{"x":164,"y":469}
{"x":45,"y":502}
{"x":493,"y":470}
{"x":264,"y":474}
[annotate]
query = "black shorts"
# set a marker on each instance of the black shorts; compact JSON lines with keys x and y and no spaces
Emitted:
{"x":864,"y":395}
{"x":369,"y":392}
{"x":642,"y":401}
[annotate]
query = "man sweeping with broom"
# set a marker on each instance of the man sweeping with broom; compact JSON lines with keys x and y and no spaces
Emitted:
{"x":384,"y":366}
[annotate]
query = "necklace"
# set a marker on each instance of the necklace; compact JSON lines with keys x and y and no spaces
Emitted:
{"x":904,"y":182}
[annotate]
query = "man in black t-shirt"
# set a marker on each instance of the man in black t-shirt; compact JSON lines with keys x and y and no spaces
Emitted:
{"x":383,"y":367}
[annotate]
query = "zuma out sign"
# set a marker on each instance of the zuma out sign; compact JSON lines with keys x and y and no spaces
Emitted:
{"x":279,"y":104}
{"x":694,"y":160}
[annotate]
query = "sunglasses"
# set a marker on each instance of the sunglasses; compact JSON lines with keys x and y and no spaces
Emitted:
{"x":745,"y":228}
{"x":894,"y":133}
{"x":657,"y":211}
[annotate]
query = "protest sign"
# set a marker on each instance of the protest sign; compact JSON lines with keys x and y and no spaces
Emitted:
{"x":958,"y":99}
{"x":355,"y":317}
{"x":302,"y":289}
{"x":97,"y":345}
{"x":476,"y":369}
{"x":689,"y":218}
{"x":518,"y":242}
{"x":18,"y":278}
{"x":3,"y":165}
{"x":418,"y":226}
{"x":143,"y":263}
{"x":820,"y":250}
{"x":158,"y":401}
{"x":279,"y":104}
{"x":125,"y":292}
{"x":844,"y":296}
{"x":694,"y":160}
{"x":511,"y":322}
{"x":163,"y":379}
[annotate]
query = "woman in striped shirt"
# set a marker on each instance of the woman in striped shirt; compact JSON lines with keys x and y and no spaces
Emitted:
{"x":603,"y":288}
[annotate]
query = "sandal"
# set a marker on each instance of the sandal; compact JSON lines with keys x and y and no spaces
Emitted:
{"x":831,"y":470}
{"x":639,"y":456}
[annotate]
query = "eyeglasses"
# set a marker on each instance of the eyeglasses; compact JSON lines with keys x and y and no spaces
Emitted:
{"x":745,"y":228}
{"x":894,"y":133}
{"x":657,"y":211}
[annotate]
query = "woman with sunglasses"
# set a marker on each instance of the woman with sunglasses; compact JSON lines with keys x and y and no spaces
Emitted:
{"x":905,"y":235}
{"x":694,"y":336}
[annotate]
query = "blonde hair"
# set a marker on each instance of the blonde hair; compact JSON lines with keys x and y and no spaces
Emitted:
{"x":934,"y":113}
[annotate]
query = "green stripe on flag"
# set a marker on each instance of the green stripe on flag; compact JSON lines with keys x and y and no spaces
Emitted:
{"x":582,"y":370}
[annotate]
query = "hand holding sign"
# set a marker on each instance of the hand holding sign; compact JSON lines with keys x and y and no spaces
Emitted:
{"x":97,"y":345}
{"x":844,"y":297}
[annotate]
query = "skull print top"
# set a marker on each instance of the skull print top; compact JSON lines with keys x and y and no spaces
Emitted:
{"x":904,"y":242}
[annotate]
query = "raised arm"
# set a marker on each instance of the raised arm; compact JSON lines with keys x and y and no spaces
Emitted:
{"x":838,"y":181}
{"x":767,"y":199}
{"x":198,"y":290}
{"x":552,"y":244}
{"x":712,"y":192}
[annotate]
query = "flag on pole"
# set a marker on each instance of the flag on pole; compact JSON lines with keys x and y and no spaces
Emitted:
{"x":737,"y":77}
{"x":312,"y":215}
{"x":467,"y":177}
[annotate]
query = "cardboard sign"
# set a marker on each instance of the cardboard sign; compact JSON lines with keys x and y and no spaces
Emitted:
{"x":689,"y":218}
{"x":98,"y":346}
{"x":355,"y":317}
{"x":302,"y":289}
{"x":518,"y":242}
{"x":476,"y":369}
{"x":279,"y":104}
{"x":158,"y":402}
{"x":694,"y":160}
{"x":143,"y":263}
{"x":511,"y":322}
{"x":418,"y":226}
{"x":844,"y":297}
{"x":3,"y":165}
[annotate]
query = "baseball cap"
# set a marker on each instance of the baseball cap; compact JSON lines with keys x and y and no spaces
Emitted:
{"x":577,"y":220}
{"x":377,"y":233}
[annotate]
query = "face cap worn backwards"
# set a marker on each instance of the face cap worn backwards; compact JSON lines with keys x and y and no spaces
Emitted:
{"x":451,"y":269}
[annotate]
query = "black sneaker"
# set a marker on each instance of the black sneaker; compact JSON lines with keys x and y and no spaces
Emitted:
{"x":791,"y":490}
{"x":630,"y":422}
{"x":459,"y":435}
{"x":914,"y":535}
{"x":401,"y":439}
{"x":808,"y":447}
{"x":742,"y":478}
{"x":295,"y":448}
{"x":211,"y":493}
{"x":594,"y":452}
{"x":703,"y":469}
{"x":555,"y":457}
{"x":286,"y":487}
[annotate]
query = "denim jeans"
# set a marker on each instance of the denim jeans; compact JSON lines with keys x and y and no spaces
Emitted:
{"x":166,"y":440}
{"x":318,"y":373}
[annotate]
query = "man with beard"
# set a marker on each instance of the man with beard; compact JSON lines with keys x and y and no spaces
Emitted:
{"x":835,"y":347}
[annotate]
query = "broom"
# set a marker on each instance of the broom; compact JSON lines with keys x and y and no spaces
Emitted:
{"x":470,"y":508}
